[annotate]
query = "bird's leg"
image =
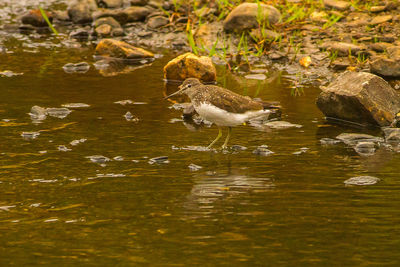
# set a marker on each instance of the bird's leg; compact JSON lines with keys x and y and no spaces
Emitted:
{"x":216,"y":139}
{"x":227,"y":138}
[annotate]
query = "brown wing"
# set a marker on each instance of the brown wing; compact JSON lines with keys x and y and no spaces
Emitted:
{"x":233,"y":102}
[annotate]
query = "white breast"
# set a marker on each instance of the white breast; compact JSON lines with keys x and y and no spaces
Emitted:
{"x":223,"y":118}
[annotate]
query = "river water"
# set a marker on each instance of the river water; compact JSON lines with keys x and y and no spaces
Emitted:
{"x":57,"y":206}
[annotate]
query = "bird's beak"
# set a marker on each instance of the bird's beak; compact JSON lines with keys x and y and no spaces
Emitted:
{"x":176,"y":93}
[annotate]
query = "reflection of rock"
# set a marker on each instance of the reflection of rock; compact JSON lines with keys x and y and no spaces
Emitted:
{"x":80,"y":11}
{"x":245,"y":16}
{"x":360,"y":97}
{"x":120,"y":49}
{"x":112,"y":67}
{"x":189,"y":65}
{"x":35,"y":18}
{"x":209,"y":189}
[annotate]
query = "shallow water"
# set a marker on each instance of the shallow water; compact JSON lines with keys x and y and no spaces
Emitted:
{"x":59,"y":205}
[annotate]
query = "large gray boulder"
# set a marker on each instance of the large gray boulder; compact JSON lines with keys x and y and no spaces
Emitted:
{"x":360,"y":97}
{"x":247,"y":16}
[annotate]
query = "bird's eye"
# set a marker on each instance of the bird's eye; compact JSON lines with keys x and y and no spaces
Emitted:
{"x":189,"y":85}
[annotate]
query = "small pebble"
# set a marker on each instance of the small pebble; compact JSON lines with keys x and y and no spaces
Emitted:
{"x":194,"y":167}
{"x":30,"y":135}
{"x":63,"y":148}
{"x":98,"y":159}
{"x":161,"y":159}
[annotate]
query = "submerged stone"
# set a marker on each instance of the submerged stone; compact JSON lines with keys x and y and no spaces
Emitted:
{"x":130,"y":117}
{"x":161,"y":159}
{"x":354,"y":138}
{"x":78,"y":141}
{"x":63,"y":148}
{"x":98,"y":159}
{"x":392,"y":134}
{"x":362,"y":180}
{"x":38,"y":113}
{"x":30,"y":135}
{"x":282,"y":125}
{"x":76,"y":105}
{"x":194,"y":167}
{"x":258,"y":76}
{"x":262,"y":151}
{"x":329,"y":141}
{"x":60,"y":113}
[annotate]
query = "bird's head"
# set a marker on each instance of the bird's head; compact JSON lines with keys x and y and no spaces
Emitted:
{"x":186,"y":87}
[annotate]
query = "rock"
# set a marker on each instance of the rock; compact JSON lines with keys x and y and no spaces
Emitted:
{"x":130,"y":117}
{"x":38,"y":113}
{"x":392,"y":134}
{"x":238,"y":148}
{"x":337,"y":4}
{"x":244,"y":16}
{"x":118,"y":14}
{"x":329,"y":141}
{"x":63,"y":148}
{"x":360,"y":97}
{"x":80,"y":11}
{"x":189,"y":65}
{"x":343,"y":49}
{"x":80,"y":34}
{"x":77,"y":141}
{"x":376,"y":9}
{"x":384,"y":66}
{"x":137,"y":13}
{"x":381,"y":19}
{"x":157,"y":22}
{"x":262,"y":151}
{"x":365,"y":148}
{"x":98,"y":159}
{"x":362,"y":180}
{"x":35,"y":18}
{"x":120,"y":49}
{"x":60,"y":113}
{"x":139,"y":2}
{"x":161,"y":159}
{"x":282,"y":125}
{"x":387,"y":65}
{"x":103,"y":30}
{"x":29,"y":135}
{"x":353,"y":139}
{"x":380,"y":47}
{"x":194,"y":167}
{"x":107,"y":26}
{"x":110,"y":3}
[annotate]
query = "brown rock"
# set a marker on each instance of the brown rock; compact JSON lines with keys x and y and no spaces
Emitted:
{"x":139,"y":2}
{"x":119,"y":15}
{"x":337,"y":4}
{"x":103,"y":30}
{"x":110,"y":3}
{"x":381,"y":19}
{"x":360,"y":97}
{"x":137,"y":13}
{"x":120,"y":49}
{"x":34,"y":18}
{"x":380,"y":47}
{"x":376,"y":9}
{"x":157,"y":22}
{"x":80,"y":11}
{"x":344,"y":49}
{"x":244,"y":16}
{"x":190,"y":66}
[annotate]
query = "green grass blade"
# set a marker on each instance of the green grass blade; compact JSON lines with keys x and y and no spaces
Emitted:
{"x":48,"y":21}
